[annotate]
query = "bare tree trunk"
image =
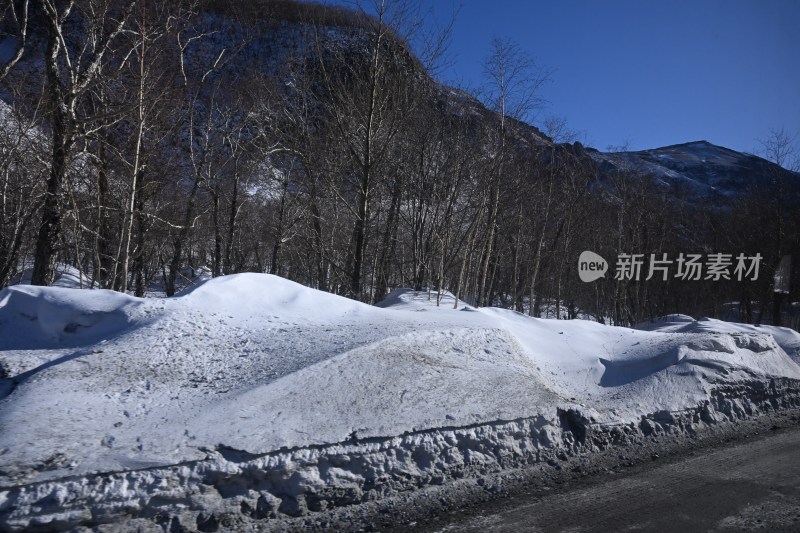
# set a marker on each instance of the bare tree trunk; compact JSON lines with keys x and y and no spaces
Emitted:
{"x":322,"y":277}
{"x":359,"y":228}
{"x":139,"y":258}
{"x":13,"y":247}
{"x":216,"y":262}
{"x":279,"y":228}
{"x":66,"y":82}
{"x":490,"y":232}
{"x":538,"y":255}
{"x":49,"y":236}
{"x":388,"y":240}
{"x":232,"y":215}
{"x":515,"y":260}
{"x":178,"y":241}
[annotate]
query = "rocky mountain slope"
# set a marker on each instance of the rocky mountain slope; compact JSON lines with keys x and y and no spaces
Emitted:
{"x":698,"y":168}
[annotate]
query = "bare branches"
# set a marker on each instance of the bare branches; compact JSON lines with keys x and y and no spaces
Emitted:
{"x":20,"y":20}
{"x":780,"y":147}
{"x":558,"y":129}
{"x":175,"y":134}
{"x":514,"y":81}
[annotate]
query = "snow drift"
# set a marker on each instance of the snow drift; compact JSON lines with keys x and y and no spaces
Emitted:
{"x":298,"y":399}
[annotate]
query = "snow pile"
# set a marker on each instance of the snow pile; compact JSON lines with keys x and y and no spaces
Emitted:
{"x":38,"y":316}
{"x":788,"y":339}
{"x":260,"y":382}
{"x":66,"y":276}
{"x":410,"y":300}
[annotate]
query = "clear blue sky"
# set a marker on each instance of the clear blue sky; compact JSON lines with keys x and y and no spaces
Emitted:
{"x":652,"y":73}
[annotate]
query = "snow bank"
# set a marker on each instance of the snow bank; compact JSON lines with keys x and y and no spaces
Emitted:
{"x":66,"y":276}
{"x":788,"y":339}
{"x":261,"y":295}
{"x":35,"y":316}
{"x":411,"y":300}
{"x":110,"y":402}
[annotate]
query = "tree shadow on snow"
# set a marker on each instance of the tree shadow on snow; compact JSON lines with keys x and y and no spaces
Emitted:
{"x":9,"y":383}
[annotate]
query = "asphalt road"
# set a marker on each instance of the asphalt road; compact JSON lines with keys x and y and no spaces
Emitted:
{"x":752,"y":485}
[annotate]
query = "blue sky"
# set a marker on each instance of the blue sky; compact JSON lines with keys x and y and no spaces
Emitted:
{"x":651,"y":73}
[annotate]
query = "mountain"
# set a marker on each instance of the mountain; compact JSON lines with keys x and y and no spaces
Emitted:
{"x":312,"y":143}
{"x":699,"y":168}
{"x":274,"y":34}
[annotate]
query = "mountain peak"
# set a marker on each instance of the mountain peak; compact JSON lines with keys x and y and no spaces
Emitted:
{"x":704,"y":168}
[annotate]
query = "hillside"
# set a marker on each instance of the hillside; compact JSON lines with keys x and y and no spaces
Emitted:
{"x":701,"y":169}
{"x":312,"y":143}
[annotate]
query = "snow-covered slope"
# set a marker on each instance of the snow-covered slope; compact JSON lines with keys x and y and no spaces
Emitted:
{"x":97,"y":381}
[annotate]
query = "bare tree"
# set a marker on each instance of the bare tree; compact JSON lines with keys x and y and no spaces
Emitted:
{"x":23,"y":168}
{"x":779,"y":147}
{"x":369,"y":89}
{"x":512,"y":91}
{"x":70,"y":70}
{"x":558,"y":129}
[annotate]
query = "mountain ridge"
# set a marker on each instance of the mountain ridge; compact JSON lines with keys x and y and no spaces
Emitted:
{"x":698,"y":167}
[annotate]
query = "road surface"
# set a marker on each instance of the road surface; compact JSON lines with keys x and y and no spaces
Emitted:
{"x":752,"y":485}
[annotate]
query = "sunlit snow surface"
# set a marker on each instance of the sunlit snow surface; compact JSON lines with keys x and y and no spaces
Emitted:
{"x":99,"y":381}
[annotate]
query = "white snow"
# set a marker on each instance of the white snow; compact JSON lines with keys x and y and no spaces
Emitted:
{"x":788,"y":339}
{"x":97,"y":381}
{"x":66,"y":276}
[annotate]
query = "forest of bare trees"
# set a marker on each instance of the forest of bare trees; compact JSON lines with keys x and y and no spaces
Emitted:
{"x":141,"y":141}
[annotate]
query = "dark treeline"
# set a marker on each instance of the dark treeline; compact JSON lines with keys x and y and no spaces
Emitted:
{"x":141,"y":139}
